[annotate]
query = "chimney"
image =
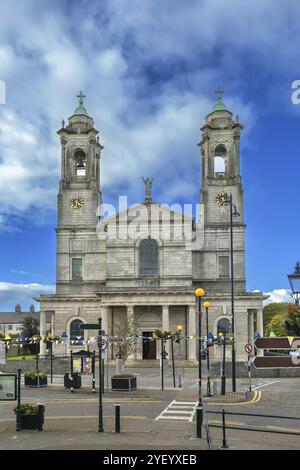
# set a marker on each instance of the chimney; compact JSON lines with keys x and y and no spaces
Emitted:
{"x":18,"y":308}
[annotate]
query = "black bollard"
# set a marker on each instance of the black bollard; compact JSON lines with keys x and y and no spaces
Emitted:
{"x":117,"y":418}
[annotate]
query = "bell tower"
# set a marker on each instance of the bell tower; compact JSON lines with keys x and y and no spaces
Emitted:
{"x":220,"y":165}
{"x":79,"y":263}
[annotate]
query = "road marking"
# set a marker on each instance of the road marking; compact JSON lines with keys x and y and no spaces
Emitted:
{"x":175,"y":411}
{"x":255,"y":399}
{"x":265,"y":385}
{"x":64,"y":401}
{"x":47,"y":418}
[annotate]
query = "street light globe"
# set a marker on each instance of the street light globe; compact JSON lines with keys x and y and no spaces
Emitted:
{"x":221,"y":334}
{"x":199,"y":292}
{"x":206,"y":305}
{"x":179,"y":328}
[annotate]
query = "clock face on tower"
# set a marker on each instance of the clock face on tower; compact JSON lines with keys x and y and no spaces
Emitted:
{"x":76,"y":202}
{"x":220,"y":199}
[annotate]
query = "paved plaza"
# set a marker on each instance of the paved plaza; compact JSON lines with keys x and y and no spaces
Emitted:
{"x":156,"y":419}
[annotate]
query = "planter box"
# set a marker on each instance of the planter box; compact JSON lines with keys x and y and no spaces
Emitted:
{"x":75,"y":383}
{"x":32,"y":421}
{"x":123,"y":383}
{"x":38,"y":382}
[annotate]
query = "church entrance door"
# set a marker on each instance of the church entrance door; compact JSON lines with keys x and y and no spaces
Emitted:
{"x":149,"y":347}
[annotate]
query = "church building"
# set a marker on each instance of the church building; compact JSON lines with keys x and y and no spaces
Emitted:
{"x":145,"y":262}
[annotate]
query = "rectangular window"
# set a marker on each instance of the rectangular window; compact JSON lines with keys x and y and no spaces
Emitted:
{"x":10,"y":327}
{"x":76,"y":269}
{"x":223,"y":267}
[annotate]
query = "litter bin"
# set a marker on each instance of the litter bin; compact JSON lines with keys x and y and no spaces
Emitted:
{"x":75,"y":383}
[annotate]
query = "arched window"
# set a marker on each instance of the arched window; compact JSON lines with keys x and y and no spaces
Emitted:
{"x":76,"y":334}
{"x":219,"y":161}
{"x":148,"y":258}
{"x":80,"y":162}
{"x":223,"y":326}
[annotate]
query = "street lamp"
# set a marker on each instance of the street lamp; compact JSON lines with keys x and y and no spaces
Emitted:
{"x":227,"y":201}
{"x":199,"y":293}
{"x":222,"y":337}
{"x":179,"y":329}
{"x":294,"y":280}
{"x":206,"y":305}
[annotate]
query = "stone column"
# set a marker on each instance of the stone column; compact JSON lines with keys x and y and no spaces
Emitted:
{"x":192,"y":343}
{"x":166,"y":326}
{"x":42,"y":332}
{"x":260,"y":327}
{"x":63,"y":157}
{"x":104,"y":316}
{"x":250,"y":329}
{"x":52,"y":323}
{"x":130,"y":317}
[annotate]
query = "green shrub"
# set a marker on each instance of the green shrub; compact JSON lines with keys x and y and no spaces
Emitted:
{"x":34,"y":374}
{"x":27,"y":409}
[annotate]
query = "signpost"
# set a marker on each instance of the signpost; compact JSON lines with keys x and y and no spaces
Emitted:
{"x":248,"y":349}
{"x":287,"y":342}
{"x":275,"y":362}
{"x":278,"y":362}
{"x":98,"y":326}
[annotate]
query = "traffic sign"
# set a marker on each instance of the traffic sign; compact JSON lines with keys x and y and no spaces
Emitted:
{"x":287,"y":342}
{"x":248,"y":348}
{"x":275,"y":362}
{"x":104,"y":344}
{"x":91,"y":326}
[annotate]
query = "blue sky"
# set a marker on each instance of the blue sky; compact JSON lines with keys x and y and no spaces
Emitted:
{"x":149,"y":70}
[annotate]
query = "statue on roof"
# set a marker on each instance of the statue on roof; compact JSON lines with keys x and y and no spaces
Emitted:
{"x":148,"y":188}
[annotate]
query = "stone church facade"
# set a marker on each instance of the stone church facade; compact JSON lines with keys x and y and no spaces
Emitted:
{"x":145,"y":262}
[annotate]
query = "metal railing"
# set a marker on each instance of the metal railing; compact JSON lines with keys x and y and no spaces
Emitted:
{"x":245,"y":427}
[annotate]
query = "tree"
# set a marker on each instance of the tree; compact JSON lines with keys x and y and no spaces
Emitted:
{"x":126,"y":329}
{"x":270,"y":310}
{"x":292,"y":324}
{"x":276,"y":325}
{"x":30,"y":327}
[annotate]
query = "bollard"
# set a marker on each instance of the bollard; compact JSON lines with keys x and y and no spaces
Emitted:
{"x":224,"y":446}
{"x":117,"y":418}
{"x":199,"y":420}
{"x":41,"y":410}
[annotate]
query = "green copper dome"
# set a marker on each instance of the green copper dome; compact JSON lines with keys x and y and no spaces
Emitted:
{"x":80,"y":110}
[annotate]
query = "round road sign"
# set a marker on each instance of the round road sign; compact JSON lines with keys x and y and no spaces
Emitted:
{"x":104,"y":344}
{"x":248,"y":348}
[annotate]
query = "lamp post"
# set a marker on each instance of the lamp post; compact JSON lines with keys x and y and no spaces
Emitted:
{"x":179,"y":329}
{"x":206,"y":305}
{"x":227,"y":201}
{"x":294,"y":280}
{"x":199,"y":293}
{"x":222,"y":337}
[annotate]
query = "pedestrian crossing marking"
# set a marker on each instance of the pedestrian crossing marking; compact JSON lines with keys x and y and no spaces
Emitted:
{"x":175,"y":411}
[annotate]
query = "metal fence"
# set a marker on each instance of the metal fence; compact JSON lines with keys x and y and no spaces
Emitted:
{"x":251,"y":428}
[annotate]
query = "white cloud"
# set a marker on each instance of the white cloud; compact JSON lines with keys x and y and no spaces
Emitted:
{"x":148,"y":71}
{"x":12,"y":293}
{"x":278,"y":296}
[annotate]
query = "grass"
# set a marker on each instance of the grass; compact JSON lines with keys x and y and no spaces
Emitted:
{"x":16,"y":358}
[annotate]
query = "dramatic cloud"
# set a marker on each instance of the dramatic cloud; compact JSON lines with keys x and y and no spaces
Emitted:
{"x":149,"y":72}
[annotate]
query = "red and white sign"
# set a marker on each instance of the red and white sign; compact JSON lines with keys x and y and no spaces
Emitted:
{"x":248,"y":348}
